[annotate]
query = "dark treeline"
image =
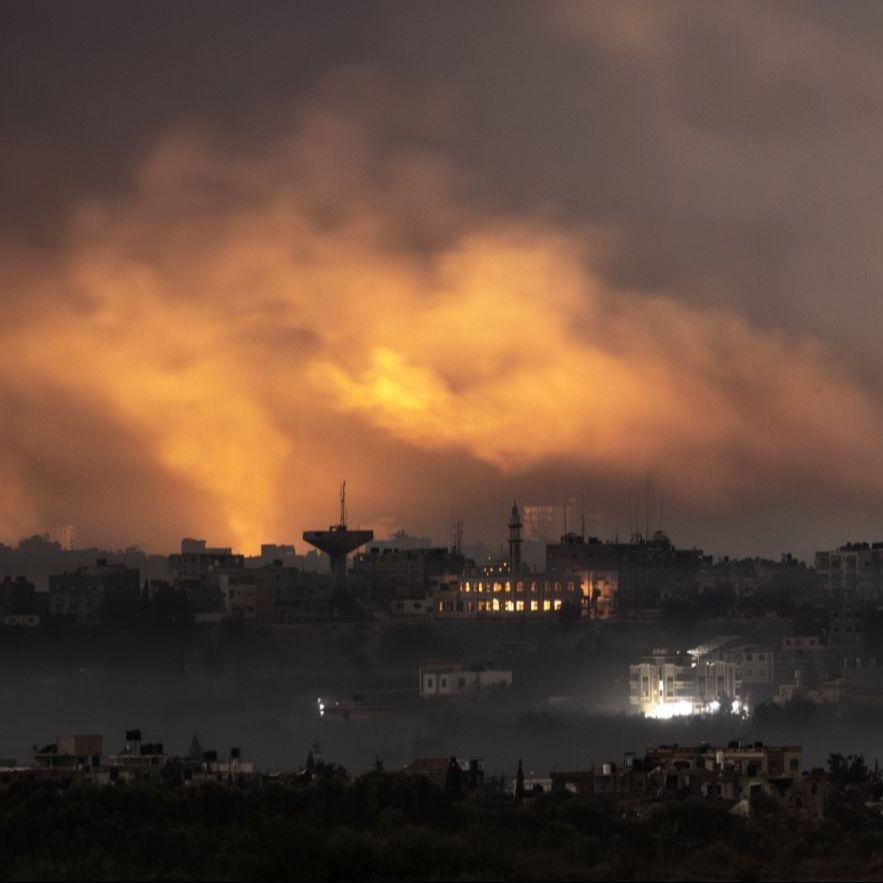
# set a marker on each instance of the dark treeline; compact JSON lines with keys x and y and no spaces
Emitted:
{"x":388,"y":826}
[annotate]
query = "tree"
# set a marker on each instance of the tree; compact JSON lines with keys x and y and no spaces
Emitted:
{"x":519,"y":782}
{"x":195,"y":750}
{"x":569,"y":613}
{"x":847,"y":770}
{"x":454,"y":779}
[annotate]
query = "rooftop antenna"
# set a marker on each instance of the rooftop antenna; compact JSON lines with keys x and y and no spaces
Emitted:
{"x":343,"y":504}
{"x":647,"y":509}
{"x":661,"y":520}
{"x":631,"y":526}
{"x":583,"y":517}
{"x":565,"y":516}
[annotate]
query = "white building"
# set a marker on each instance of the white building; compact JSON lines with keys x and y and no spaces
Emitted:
{"x":420,"y":607}
{"x":670,"y":684}
{"x":755,"y":663}
{"x":446,"y":679}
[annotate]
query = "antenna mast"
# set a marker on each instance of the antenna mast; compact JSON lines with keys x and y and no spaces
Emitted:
{"x":631,"y":524}
{"x":583,"y":517}
{"x":647,"y":509}
{"x":343,"y":504}
{"x":661,"y":519}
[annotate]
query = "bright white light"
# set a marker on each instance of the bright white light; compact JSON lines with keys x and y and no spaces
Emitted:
{"x":713,"y":707}
{"x":736,"y":707}
{"x":321,"y":705}
{"x":666,"y":710}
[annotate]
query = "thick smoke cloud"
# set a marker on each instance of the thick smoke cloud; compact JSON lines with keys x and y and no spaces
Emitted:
{"x":240,"y":323}
{"x":452,"y":253}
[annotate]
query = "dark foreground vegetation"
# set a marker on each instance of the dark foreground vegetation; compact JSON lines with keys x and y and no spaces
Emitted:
{"x":385,"y":826}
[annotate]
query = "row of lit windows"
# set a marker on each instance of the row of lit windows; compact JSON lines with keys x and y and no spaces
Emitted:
{"x":496,"y":606}
{"x":481,"y":587}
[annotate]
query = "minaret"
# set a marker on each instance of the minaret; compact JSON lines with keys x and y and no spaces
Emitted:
{"x":514,"y":539}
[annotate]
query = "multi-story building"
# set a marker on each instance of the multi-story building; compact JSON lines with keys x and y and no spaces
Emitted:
{"x":81,"y":758}
{"x":853,"y":571}
{"x":748,"y":758}
{"x":412,"y":607}
{"x":138,"y":755}
{"x":856,"y":682}
{"x":481,"y":594}
{"x":95,"y":595}
{"x":737,"y":774}
{"x":669,"y":684}
{"x":196,"y":561}
{"x":846,"y":631}
{"x":645,"y":568}
{"x":384,"y":573}
{"x":238,"y":591}
{"x":20,"y":603}
{"x":800,"y":650}
{"x":511,"y":588}
{"x":446,"y":679}
{"x":755,"y":663}
{"x":288,"y":595}
{"x":70,"y":752}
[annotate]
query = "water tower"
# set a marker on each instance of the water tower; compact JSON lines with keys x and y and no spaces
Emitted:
{"x":337,"y":542}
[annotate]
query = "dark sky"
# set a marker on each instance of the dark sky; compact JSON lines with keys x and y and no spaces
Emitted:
{"x":454,"y":252}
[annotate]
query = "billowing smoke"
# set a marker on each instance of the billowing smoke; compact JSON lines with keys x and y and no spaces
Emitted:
{"x":213,"y":349}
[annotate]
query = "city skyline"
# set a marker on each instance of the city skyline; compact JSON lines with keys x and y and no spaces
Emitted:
{"x":435,"y":419}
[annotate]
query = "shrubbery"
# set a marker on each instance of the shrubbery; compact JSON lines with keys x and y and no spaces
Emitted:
{"x":387,"y":826}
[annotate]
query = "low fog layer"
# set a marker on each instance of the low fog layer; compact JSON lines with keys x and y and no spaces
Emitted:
{"x":258,"y":689}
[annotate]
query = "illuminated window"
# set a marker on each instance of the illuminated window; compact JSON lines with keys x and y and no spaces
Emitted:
{"x":508,"y":587}
{"x":497,"y":588}
{"x":519,"y":606}
{"x":534,"y":606}
{"x":533,"y":586}
{"x":557,"y":603}
{"x":510,"y":607}
{"x":547,"y":605}
{"x":467,"y":589}
{"x":496,"y":604}
{"x":481,"y":587}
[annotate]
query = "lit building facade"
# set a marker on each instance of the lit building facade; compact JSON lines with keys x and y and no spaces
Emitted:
{"x":512,"y":589}
{"x":500,"y":593}
{"x":670,"y":684}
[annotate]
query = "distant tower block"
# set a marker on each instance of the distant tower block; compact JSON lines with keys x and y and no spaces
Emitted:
{"x":337,"y":542}
{"x":515,"y":526}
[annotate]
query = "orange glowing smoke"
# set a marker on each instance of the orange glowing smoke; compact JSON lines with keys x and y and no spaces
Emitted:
{"x":252,"y":321}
